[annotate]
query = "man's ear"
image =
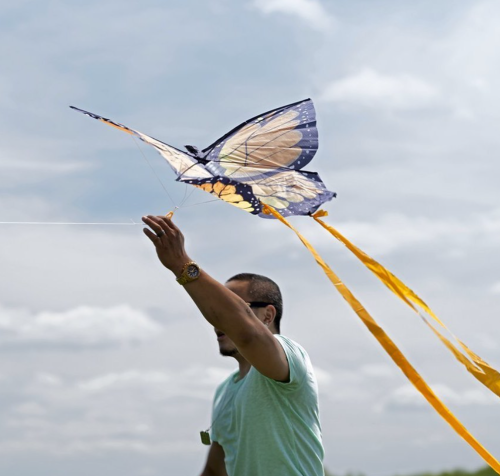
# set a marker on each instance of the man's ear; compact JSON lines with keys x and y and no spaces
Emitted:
{"x":269,"y":315}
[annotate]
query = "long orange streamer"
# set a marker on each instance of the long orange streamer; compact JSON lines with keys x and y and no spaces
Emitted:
{"x":481,"y":370}
{"x":391,"y":348}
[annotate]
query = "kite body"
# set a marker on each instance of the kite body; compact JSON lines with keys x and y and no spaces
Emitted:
{"x":258,"y":162}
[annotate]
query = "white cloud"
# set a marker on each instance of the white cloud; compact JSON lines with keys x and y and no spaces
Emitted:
{"x":393,"y":232}
{"x":81,"y":326}
{"x":131,"y":410}
{"x":89,"y":444}
{"x":488,"y":342}
{"x":407,"y":397}
{"x":59,"y":269}
{"x":50,"y":168}
{"x":322,"y":376}
{"x":372,"y":89}
{"x":331,"y":381}
{"x":158,"y":383}
{"x":29,"y":409}
{"x":48,"y":380}
{"x":310,"y":11}
{"x":378,"y":370}
{"x":26,"y":207}
{"x":62,"y":267}
{"x":21,"y":163}
{"x":495,"y":289}
{"x":125,"y":380}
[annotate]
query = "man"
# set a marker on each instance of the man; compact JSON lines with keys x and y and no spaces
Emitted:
{"x":265,"y":417}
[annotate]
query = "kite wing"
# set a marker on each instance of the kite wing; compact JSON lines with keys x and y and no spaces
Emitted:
{"x":183,"y":164}
{"x":285,"y":138}
{"x":292,"y":192}
{"x":259,"y":161}
{"x":192,"y":169}
{"x":268,"y":153}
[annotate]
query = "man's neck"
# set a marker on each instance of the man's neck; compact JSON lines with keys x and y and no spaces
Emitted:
{"x":243,"y":364}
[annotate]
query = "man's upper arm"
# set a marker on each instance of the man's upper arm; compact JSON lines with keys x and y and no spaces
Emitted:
{"x":215,"y":465}
{"x":263,"y":351}
{"x":228,"y":312}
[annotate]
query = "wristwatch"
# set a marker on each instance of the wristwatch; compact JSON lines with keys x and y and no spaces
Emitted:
{"x":190,"y":272}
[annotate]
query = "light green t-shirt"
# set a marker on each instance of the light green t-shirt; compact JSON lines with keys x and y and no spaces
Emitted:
{"x":270,"y":428}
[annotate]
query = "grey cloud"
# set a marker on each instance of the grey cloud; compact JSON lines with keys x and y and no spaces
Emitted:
{"x":311,"y":12}
{"x":126,"y":411}
{"x":495,"y":288}
{"x":124,"y":406}
{"x":407,"y":397}
{"x":371,"y":89}
{"x":395,"y":231}
{"x":167,"y":384}
{"x":83,"y":326}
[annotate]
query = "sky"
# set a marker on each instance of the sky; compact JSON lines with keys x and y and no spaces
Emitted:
{"x":106,"y":365}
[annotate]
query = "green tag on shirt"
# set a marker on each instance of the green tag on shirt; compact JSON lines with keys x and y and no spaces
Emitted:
{"x":205,"y":437}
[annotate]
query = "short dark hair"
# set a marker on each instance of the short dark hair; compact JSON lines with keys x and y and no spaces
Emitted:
{"x":263,"y":289}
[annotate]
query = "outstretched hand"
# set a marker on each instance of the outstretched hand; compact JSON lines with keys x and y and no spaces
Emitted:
{"x":168,"y":241}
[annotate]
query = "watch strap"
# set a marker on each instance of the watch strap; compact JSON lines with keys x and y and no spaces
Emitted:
{"x":185,"y":277}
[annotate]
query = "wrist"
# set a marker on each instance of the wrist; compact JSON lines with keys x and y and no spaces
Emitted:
{"x":190,"y":272}
{"x":178,"y":266}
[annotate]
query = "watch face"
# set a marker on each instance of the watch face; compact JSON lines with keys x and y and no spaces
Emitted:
{"x":193,"y":271}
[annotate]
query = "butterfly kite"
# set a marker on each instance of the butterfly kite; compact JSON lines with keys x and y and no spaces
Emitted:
{"x":258,"y":167}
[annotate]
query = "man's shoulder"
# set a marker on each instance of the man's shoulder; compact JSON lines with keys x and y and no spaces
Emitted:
{"x":298,"y":360}
{"x":220,"y":388}
{"x":286,"y":342}
{"x":283,"y":338}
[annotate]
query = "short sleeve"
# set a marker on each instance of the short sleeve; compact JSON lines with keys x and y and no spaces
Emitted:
{"x":218,"y":404}
{"x":213,"y":428}
{"x":298,"y":362}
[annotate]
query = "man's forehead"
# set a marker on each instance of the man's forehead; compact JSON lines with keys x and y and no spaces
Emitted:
{"x":241,"y":288}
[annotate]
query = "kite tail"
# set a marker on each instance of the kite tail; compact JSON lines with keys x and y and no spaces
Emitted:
{"x":390,"y":347}
{"x":481,"y":370}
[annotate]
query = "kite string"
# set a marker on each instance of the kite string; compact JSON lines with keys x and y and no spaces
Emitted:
{"x":132,"y":223}
{"x":201,"y":203}
{"x":186,"y":195}
{"x":154,"y":172}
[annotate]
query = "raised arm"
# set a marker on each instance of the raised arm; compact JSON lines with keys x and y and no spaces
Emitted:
{"x":220,"y":306}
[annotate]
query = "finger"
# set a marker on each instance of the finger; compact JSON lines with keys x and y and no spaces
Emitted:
{"x":153,"y":224}
{"x":167,"y":221}
{"x":154,"y":238}
{"x":159,"y":221}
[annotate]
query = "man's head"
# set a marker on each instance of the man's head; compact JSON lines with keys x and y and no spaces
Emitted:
{"x":264,"y":298}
